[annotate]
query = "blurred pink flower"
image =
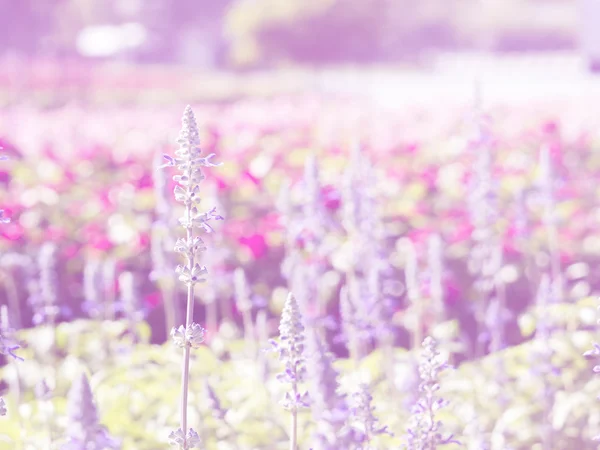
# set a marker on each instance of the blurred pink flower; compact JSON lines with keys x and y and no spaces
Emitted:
{"x":100,"y":242}
{"x":69,"y":178}
{"x":153,"y":299}
{"x":12,"y":231}
{"x":48,"y":152}
{"x":55,"y":233}
{"x":429,"y":175}
{"x":462,"y":232}
{"x":271,"y":222}
{"x":256,"y":243}
{"x":221,"y":183}
{"x":332,"y":198}
{"x":452,"y":291}
{"x":145,"y":181}
{"x":510,"y":248}
{"x":550,"y":127}
{"x":143,"y":240}
{"x":71,"y":251}
{"x":9,"y":149}
{"x":96,"y":237}
{"x":105,"y":200}
{"x":412,"y":148}
{"x":252,"y":178}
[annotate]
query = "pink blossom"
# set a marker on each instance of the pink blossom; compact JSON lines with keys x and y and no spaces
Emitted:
{"x":153,"y":299}
{"x":331,"y":197}
{"x":256,"y":243}
{"x":12,"y":231}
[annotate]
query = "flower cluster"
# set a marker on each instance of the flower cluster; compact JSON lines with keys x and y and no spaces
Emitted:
{"x":179,"y":439}
{"x":424,"y":432}
{"x":190,"y":336}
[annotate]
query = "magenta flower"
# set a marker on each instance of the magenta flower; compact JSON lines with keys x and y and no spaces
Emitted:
{"x":256,"y":244}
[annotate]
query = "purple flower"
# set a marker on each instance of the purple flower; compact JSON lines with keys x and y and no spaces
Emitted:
{"x":84,"y":431}
{"x":7,"y":348}
{"x":363,"y":413}
{"x":425,"y":433}
{"x":213,"y":402}
{"x":290,"y":349}
{"x":329,"y":407}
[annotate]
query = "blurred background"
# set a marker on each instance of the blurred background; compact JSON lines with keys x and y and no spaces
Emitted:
{"x":76,"y":48}
{"x":436,"y":160}
{"x":244,"y":34}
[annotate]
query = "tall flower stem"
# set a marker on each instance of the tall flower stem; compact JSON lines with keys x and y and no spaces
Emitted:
{"x":294,"y":425}
{"x":191,"y":335}
{"x":189,"y":315}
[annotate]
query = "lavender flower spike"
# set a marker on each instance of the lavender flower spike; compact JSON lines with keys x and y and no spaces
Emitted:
{"x":329,"y":407}
{"x":84,"y":430}
{"x":290,"y":348}
{"x":362,"y":411}
{"x":2,"y":407}
{"x":189,"y":162}
{"x":425,"y":433}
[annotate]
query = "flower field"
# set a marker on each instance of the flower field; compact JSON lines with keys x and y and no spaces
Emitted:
{"x":348,"y":277}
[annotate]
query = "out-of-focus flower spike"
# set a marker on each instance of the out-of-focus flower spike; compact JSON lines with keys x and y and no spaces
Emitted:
{"x":84,"y":430}
{"x":425,"y":432}
{"x":363,"y":412}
